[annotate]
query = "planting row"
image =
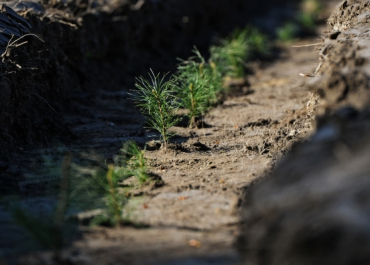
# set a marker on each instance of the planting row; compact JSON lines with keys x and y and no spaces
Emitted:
{"x":198,"y":84}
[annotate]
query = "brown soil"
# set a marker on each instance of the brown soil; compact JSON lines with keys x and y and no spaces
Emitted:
{"x":313,"y":209}
{"x":208,"y":172}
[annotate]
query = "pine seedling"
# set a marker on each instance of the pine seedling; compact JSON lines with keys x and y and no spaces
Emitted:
{"x":156,"y":100}
{"x":231,"y":54}
{"x":134,"y":162}
{"x":211,"y":75}
{"x":113,"y":201}
{"x":114,"y":205}
{"x":257,"y":43}
{"x":198,"y":85}
{"x":97,"y":187}
{"x":288,"y":32}
{"x":214,"y":77}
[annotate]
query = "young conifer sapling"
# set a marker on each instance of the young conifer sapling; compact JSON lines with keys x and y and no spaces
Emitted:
{"x":196,"y":87}
{"x":134,"y":162}
{"x":155,"y":99}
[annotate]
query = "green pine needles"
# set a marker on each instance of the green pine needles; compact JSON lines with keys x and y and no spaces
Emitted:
{"x":303,"y":23}
{"x":100,"y":190}
{"x":114,"y":200}
{"x":96,"y":186}
{"x":197,"y":87}
{"x":232,"y":53}
{"x":134,"y":162}
{"x":156,"y":100}
{"x":197,"y":84}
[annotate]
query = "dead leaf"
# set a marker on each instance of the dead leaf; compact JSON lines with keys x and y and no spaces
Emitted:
{"x":145,"y":206}
{"x":182,"y":198}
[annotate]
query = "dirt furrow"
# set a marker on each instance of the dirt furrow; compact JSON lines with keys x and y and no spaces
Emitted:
{"x":210,"y":168}
{"x":206,"y":174}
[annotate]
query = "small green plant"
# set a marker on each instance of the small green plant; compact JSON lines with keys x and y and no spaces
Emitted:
{"x":288,"y":32}
{"x":307,"y":21}
{"x":230,"y":56}
{"x":113,"y":215}
{"x":134,"y":162}
{"x":156,"y":100}
{"x":97,"y":187}
{"x":310,"y":11}
{"x":303,"y":23}
{"x":198,"y":84}
{"x":213,"y":75}
{"x":258,"y":44}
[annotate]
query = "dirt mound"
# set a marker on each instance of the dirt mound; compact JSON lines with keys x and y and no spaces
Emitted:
{"x":313,"y":209}
{"x":344,"y":76}
{"x":349,"y":14}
